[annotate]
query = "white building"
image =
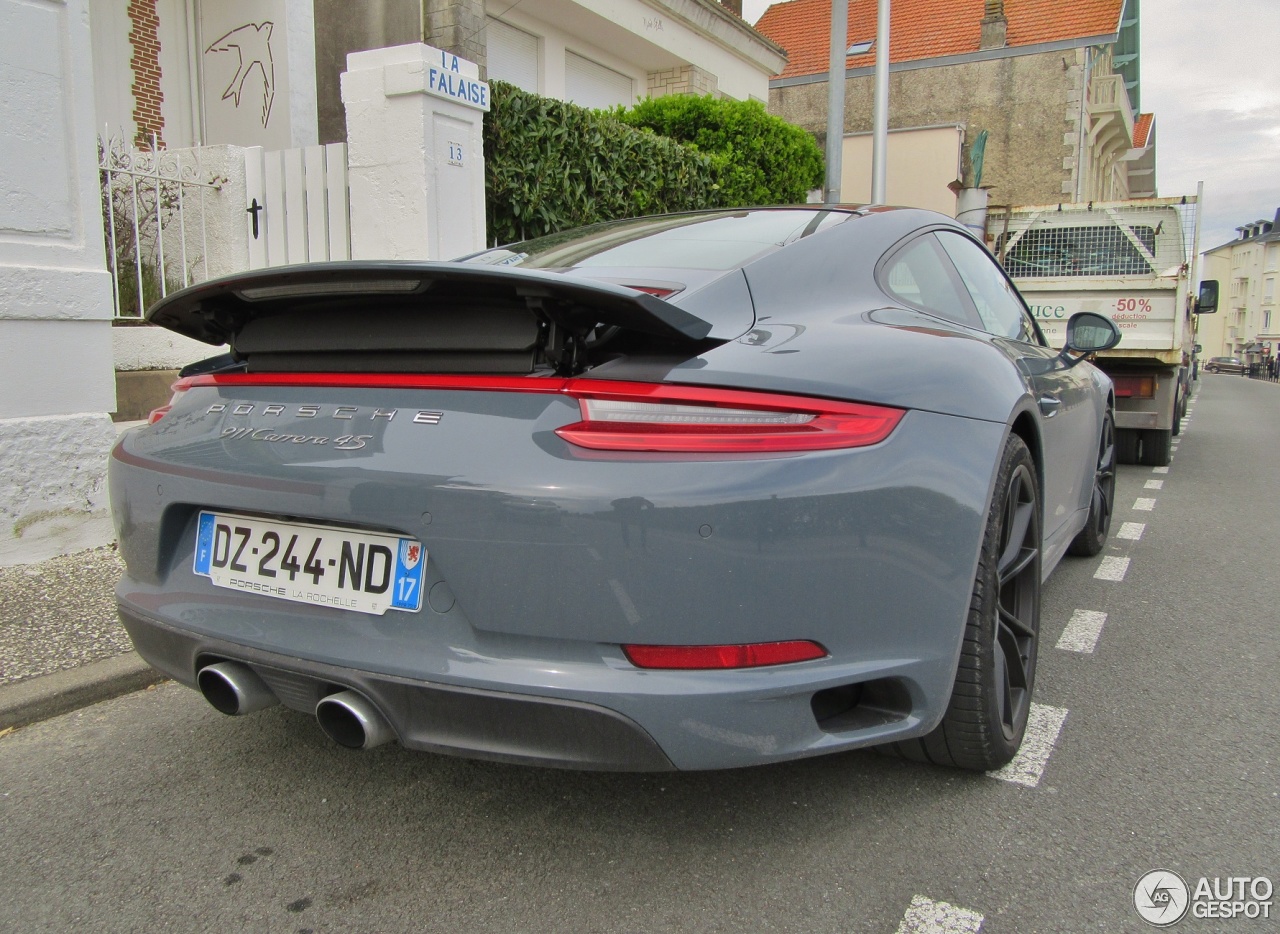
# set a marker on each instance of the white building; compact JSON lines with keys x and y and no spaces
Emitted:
{"x":266,"y":72}
{"x":1247,"y":324}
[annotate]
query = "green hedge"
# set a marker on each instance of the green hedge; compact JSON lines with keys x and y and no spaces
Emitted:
{"x":550,"y":166}
{"x":758,"y":158}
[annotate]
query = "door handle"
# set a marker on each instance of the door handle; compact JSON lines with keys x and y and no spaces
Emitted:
{"x":1049,"y":406}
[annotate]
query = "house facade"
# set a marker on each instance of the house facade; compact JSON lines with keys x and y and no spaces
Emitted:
{"x":266,"y":72}
{"x":1247,"y":268}
{"x":1054,"y":85}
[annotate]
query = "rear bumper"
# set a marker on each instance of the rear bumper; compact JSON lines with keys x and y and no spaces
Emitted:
{"x":429,"y":717}
{"x":722,"y":720}
{"x":534,"y":583}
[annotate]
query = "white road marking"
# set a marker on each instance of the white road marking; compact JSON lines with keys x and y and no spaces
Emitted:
{"x":1159,"y":469}
{"x":925,"y":916}
{"x":1044,"y":723}
{"x":1144,"y":504}
{"x":1082,"y":632}
{"x":1132,"y":531}
{"x":1154,"y":485}
{"x":1112,"y":569}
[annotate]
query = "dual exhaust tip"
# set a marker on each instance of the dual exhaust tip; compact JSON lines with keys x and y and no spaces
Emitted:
{"x":347,"y":718}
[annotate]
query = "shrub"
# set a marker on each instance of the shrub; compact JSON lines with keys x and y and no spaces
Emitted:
{"x":550,"y":165}
{"x":759,"y":158}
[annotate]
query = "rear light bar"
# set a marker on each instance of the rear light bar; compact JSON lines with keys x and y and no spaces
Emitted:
{"x":640,"y":417}
{"x":704,"y":657}
{"x":668,"y":418}
{"x":1135,"y":387}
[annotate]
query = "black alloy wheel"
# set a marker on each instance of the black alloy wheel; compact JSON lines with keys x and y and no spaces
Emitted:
{"x":987,"y":714}
{"x":1093,"y":537}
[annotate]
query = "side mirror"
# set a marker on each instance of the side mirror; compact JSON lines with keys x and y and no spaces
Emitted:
{"x":1089,"y":333}
{"x":1207,"y":300}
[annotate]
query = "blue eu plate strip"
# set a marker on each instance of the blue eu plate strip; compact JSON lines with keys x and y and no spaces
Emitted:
{"x":204,"y":544}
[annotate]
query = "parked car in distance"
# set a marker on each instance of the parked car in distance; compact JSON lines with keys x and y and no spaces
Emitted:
{"x":686,"y":492}
{"x":1226,"y":365}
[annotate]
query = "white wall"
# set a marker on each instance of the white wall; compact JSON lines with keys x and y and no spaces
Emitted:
{"x":56,"y":382}
{"x":921,"y":163}
{"x":287,"y":82}
{"x":635,"y":38}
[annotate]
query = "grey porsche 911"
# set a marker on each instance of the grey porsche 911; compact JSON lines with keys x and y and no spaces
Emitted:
{"x":684,"y":492}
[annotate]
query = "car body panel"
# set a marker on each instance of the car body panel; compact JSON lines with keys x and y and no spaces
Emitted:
{"x":543,"y":558}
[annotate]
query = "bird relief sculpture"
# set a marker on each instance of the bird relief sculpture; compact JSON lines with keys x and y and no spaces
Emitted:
{"x":252,"y":43}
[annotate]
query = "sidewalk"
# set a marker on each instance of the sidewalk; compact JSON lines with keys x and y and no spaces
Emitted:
{"x":61,"y":645}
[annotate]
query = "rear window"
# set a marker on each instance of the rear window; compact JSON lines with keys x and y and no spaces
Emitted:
{"x":719,"y":241}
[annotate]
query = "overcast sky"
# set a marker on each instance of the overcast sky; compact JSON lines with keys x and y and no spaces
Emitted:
{"x":1211,"y":75}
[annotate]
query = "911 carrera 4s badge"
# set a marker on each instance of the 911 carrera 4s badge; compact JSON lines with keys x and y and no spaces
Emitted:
{"x":342,"y":568}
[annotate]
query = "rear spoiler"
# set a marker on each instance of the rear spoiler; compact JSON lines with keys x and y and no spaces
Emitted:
{"x":217,"y":311}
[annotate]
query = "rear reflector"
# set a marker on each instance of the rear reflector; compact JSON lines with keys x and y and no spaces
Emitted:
{"x":753,"y":655}
{"x":1135,"y":387}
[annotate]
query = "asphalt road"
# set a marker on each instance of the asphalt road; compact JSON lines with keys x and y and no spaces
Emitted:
{"x":155,"y":813}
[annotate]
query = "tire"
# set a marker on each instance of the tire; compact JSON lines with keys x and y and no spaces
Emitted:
{"x":987,"y":714}
{"x":1093,"y":537}
{"x":1126,"y":446}
{"x":1179,"y":410}
{"x":1157,"y":446}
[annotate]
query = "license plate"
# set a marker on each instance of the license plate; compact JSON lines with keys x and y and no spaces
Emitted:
{"x":361,"y":571}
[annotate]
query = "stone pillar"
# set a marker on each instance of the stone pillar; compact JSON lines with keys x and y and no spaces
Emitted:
{"x":56,"y":379}
{"x":415,"y":153}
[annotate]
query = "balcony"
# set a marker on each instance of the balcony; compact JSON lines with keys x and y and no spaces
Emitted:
{"x":1111,"y":114}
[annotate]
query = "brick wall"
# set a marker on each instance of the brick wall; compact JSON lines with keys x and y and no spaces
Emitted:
{"x":144,"y":36}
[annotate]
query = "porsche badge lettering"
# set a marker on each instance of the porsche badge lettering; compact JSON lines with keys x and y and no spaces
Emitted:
{"x":343,"y":442}
{"x":347,"y":412}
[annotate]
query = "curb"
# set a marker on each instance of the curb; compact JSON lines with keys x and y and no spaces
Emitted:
{"x":37,"y":699}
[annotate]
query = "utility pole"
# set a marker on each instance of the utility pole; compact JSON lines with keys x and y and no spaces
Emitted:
{"x":835,"y":99}
{"x":880,"y":120}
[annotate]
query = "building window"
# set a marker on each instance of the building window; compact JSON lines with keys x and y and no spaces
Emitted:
{"x":513,"y":55}
{"x":589,"y":84}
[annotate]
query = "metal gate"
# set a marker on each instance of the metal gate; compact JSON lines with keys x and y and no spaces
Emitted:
{"x":154,"y":208}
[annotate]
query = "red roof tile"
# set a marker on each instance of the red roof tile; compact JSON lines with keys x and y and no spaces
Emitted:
{"x":921,"y":29}
{"x":1141,"y":129}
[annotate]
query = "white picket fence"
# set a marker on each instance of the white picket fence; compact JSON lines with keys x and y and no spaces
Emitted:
{"x":298,"y":209}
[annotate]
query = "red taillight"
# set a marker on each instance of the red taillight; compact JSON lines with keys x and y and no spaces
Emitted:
{"x":638,"y":417}
{"x":156,"y":414}
{"x":752,"y":655}
{"x":1135,"y":387}
{"x":668,"y":418}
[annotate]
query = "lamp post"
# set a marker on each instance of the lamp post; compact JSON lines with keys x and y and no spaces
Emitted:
{"x":835,"y":99}
{"x":880,"y":120}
